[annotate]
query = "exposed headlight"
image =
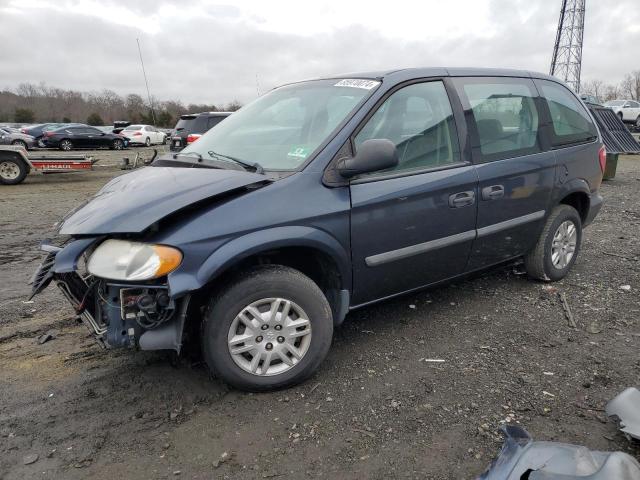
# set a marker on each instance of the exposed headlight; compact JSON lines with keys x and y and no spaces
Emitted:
{"x":128,"y":261}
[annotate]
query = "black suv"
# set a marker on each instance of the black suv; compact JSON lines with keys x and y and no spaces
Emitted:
{"x":191,"y":126}
{"x":325,"y":196}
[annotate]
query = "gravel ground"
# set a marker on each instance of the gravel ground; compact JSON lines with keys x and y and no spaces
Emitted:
{"x":376,"y":409}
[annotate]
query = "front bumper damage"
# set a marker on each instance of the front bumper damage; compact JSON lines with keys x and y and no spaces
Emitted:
{"x":134,"y":315}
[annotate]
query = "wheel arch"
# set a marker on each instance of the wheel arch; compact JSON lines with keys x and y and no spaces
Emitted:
{"x":312,"y":251}
{"x":577,"y":195}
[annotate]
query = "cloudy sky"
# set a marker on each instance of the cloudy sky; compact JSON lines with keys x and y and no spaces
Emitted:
{"x":208,"y":51}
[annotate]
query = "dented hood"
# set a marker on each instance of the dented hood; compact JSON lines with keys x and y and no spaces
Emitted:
{"x":132,"y":202}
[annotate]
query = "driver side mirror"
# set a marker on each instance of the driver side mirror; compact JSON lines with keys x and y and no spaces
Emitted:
{"x":372,"y":155}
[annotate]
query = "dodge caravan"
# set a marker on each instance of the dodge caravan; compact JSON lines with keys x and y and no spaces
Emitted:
{"x":324,"y":196}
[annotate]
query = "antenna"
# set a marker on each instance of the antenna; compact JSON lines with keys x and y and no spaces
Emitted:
{"x":153,"y":113}
{"x":566,"y":63}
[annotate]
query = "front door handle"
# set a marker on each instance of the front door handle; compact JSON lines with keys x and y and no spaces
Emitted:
{"x":493,"y":192}
{"x":462,"y":199}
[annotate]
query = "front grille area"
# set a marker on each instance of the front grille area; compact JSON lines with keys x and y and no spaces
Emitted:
{"x":43,"y":275}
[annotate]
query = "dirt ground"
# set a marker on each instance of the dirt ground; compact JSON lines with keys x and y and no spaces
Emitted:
{"x":376,"y":409}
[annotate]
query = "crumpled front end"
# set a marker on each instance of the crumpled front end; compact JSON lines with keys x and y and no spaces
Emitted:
{"x":140,"y":315}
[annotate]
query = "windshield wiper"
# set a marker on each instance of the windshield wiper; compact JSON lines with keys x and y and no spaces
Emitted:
{"x":255,"y":165}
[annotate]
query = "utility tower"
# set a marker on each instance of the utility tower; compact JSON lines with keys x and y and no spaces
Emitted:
{"x":567,"y":53}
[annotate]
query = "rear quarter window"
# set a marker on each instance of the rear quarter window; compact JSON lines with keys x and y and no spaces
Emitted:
{"x":571,"y":123}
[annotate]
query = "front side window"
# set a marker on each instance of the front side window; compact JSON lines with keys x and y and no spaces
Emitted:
{"x":571,"y":121}
{"x":505,"y":115}
{"x":419,"y":121}
{"x":282,"y":129}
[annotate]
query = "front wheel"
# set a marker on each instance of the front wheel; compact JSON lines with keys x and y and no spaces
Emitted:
{"x":118,"y":144}
{"x":557,"y":247}
{"x":638,"y":122}
{"x":270,"y":328}
{"x":66,"y":145}
{"x":147,"y":142}
{"x":19,"y":143}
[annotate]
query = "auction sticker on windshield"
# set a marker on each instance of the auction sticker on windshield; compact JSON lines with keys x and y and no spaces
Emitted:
{"x":357,"y":83}
{"x":299,"y":152}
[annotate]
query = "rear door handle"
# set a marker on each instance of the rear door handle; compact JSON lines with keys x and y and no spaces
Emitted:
{"x":462,"y":199}
{"x":493,"y":192}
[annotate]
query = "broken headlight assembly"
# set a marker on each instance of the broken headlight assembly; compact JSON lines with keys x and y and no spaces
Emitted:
{"x":127,"y":261}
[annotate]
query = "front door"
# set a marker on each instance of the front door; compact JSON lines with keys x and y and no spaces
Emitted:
{"x":516,"y":171}
{"x":412,"y":225}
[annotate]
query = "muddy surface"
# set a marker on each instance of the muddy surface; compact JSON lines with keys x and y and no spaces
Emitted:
{"x":377,"y":409}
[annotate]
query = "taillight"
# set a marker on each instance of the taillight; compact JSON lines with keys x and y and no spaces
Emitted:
{"x":23,"y":130}
{"x":192,"y":137}
{"x":602,"y":157}
{"x":137,"y":134}
{"x":49,"y":134}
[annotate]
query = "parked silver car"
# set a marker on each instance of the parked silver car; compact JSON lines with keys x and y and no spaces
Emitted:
{"x":11,"y":136}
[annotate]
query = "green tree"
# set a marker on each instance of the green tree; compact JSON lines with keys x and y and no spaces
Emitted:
{"x":94,"y":119}
{"x":24,"y":115}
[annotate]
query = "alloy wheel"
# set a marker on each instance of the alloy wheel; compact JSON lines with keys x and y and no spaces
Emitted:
{"x":269,"y":336}
{"x":564,"y":243}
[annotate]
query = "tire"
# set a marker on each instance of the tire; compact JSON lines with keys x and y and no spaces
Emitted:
{"x":544,"y":262}
{"x":638,"y":122}
{"x":621,"y":116}
{"x":66,"y":145}
{"x":117,"y":144}
{"x":20,"y":143}
{"x":147,"y":142}
{"x":257,"y":288}
{"x":12,"y":171}
{"x":164,"y":140}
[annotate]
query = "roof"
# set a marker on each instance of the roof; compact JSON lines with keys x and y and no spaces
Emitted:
{"x":445,"y":72}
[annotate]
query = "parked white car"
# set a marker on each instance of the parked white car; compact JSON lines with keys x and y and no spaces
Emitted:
{"x":144,"y":135}
{"x":628,"y":110}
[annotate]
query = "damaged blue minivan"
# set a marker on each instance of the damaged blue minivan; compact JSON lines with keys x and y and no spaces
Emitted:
{"x":324,"y":196}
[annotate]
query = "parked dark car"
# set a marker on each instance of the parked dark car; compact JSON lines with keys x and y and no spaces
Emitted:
{"x":192,"y":126}
{"x":36,"y":130}
{"x":325,"y":196}
{"x":68,"y":138}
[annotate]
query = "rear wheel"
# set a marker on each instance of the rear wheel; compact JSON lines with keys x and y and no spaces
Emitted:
{"x":558,"y":245}
{"x":12,"y":171}
{"x":147,"y":142}
{"x":638,"y":122}
{"x":270,"y":328}
{"x":66,"y":145}
{"x":19,"y":143}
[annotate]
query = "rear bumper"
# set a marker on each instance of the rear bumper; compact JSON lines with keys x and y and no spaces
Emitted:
{"x":595,"y":204}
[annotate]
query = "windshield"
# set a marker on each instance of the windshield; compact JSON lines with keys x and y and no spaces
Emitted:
{"x":283,"y":128}
{"x":615,"y":103}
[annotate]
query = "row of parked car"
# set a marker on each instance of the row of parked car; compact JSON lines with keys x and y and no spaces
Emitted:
{"x":67,"y":136}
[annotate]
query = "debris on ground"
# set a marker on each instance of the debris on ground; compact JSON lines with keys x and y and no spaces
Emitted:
{"x":567,"y":310}
{"x":521,"y":458}
{"x":626,"y":408}
{"x":30,"y":458}
{"x":45,"y":337}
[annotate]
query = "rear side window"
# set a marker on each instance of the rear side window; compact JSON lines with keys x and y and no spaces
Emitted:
{"x":213,"y":121}
{"x":571,"y":121}
{"x":419,"y":121}
{"x":505,"y":114}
